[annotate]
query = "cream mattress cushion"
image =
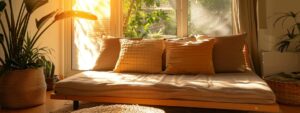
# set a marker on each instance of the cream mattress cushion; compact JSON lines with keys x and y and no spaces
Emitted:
{"x":225,"y":87}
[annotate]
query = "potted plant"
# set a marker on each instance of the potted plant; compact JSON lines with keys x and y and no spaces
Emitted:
{"x":292,"y":29}
{"x":286,"y":85}
{"x":22,"y":81}
{"x":50,"y":77}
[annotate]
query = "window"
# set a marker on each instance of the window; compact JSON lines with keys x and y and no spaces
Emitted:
{"x":85,"y":43}
{"x":211,"y":17}
{"x":146,"y":18}
{"x":183,"y":17}
{"x":143,"y":18}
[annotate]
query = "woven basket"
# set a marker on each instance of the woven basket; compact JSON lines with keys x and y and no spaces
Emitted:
{"x":286,"y":92}
{"x":22,"y":88}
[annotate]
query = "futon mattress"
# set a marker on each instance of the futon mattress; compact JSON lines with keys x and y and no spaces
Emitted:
{"x":244,"y":87}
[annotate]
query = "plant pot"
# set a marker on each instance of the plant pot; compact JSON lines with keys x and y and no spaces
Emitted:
{"x":22,"y":88}
{"x":286,"y":91}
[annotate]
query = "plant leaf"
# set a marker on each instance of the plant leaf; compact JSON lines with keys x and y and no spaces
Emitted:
{"x":2,"y":5}
{"x":278,"y":19}
{"x":291,"y":34}
{"x":2,"y":61}
{"x":292,"y":14}
{"x":40,"y":23}
{"x":283,"y":45}
{"x":32,"y":5}
{"x":284,"y":17}
{"x":1,"y":38}
{"x":80,"y":14}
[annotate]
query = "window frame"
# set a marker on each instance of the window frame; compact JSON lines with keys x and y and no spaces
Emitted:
{"x":181,"y":14}
{"x":68,"y":40}
{"x":116,"y":28}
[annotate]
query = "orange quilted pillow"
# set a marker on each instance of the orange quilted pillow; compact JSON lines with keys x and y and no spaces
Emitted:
{"x":228,"y":54}
{"x":144,"y":56}
{"x":189,"y":57}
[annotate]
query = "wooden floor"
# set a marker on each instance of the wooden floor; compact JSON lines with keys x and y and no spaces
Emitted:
{"x":49,"y":106}
{"x":53,"y":105}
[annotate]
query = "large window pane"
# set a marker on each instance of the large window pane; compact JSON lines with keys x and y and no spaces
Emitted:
{"x":210,"y":17}
{"x":86,"y":33}
{"x":144,"y":18}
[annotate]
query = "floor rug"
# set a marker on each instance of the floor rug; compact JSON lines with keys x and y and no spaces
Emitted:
{"x":120,"y":109}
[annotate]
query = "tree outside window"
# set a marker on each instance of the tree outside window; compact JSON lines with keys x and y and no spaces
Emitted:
{"x":149,"y":18}
{"x":154,"y":18}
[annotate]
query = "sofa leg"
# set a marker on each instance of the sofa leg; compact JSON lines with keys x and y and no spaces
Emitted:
{"x":75,"y":104}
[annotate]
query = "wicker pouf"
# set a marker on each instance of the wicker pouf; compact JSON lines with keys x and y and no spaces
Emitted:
{"x":120,"y":109}
{"x":287,"y":91}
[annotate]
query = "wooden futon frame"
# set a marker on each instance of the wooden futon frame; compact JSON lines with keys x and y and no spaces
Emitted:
{"x":272,"y":108}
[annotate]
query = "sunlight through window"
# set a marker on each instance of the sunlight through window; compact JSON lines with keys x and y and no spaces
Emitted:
{"x":210,"y":17}
{"x":85,"y":47}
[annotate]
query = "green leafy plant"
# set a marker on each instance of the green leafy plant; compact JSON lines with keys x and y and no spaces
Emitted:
{"x":142,"y":16}
{"x":49,"y":68}
{"x":292,"y":30}
{"x":19,"y":47}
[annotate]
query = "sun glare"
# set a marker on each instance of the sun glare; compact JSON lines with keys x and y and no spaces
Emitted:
{"x":86,"y":32}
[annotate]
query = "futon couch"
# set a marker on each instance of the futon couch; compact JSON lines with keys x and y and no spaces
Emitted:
{"x":186,"y":73}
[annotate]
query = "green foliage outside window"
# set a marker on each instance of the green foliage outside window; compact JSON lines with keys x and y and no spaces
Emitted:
{"x":143,"y":17}
{"x":154,"y":18}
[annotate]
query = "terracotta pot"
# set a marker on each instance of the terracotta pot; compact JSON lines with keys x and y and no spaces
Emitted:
{"x":22,"y":88}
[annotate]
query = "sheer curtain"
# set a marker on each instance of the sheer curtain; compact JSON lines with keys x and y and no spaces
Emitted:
{"x":245,"y":20}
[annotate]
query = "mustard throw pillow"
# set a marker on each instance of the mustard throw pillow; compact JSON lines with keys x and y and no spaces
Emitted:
{"x":228,"y":54}
{"x":189,"y":57}
{"x":109,"y":54}
{"x":143,"y":56}
{"x":173,"y":39}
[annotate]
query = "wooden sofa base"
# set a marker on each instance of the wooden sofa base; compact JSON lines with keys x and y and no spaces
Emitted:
{"x":274,"y":108}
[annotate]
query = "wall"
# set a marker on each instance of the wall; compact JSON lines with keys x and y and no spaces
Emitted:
{"x":276,"y":62}
{"x":272,"y":60}
{"x":268,"y":35}
{"x":52,"y":38}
